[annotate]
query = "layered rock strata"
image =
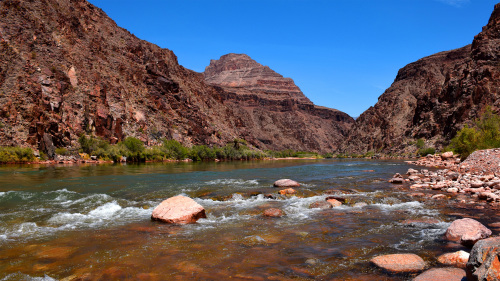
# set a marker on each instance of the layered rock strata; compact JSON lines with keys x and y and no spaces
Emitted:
{"x":272,"y":111}
{"x":433,"y":97}
{"x":67,"y":69}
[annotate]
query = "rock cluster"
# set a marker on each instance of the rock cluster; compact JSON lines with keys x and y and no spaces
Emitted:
{"x":478,"y":176}
{"x":444,"y":161}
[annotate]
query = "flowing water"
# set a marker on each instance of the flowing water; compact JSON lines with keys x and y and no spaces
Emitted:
{"x":93,"y":222}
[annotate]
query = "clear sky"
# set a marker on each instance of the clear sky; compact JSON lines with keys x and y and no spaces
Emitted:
{"x":343,"y":54}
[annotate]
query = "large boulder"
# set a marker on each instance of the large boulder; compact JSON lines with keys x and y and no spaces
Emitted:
{"x":286,"y":183}
{"x":438,"y":274}
{"x":399,"y":263}
{"x":484,"y":263}
{"x":467,"y":231}
{"x":179,"y":210}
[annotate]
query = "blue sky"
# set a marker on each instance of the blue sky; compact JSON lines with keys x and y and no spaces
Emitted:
{"x":343,"y":54}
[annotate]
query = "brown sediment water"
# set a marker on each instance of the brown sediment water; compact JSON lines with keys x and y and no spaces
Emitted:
{"x":93,"y":222}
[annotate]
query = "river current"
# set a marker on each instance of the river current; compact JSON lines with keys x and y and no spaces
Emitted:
{"x":93,"y":222}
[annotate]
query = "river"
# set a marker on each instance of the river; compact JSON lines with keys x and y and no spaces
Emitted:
{"x":93,"y":222}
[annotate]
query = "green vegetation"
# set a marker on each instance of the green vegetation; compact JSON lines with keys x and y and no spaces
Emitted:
{"x":484,"y":134}
{"x":424,"y":151}
{"x":16,"y":154}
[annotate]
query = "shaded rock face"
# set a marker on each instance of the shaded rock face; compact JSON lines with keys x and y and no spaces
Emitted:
{"x":272,"y":111}
{"x":433,"y":97}
{"x":66,"y":69}
{"x":484,"y":263}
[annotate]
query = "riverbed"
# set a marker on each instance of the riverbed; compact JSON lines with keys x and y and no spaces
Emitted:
{"x":92,"y":222}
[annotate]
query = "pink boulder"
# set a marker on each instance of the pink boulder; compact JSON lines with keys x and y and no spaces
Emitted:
{"x":456,"y":259}
{"x":399,"y":263}
{"x":286,"y":183}
{"x":467,"y":231}
{"x":448,"y":274}
{"x":179,"y":210}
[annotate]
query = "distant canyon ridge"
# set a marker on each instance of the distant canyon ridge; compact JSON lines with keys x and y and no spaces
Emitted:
{"x":67,"y":69}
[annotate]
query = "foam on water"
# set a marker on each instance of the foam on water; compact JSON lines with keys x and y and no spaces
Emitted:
{"x":238,"y":182}
{"x":22,"y":276}
{"x":413,"y":207}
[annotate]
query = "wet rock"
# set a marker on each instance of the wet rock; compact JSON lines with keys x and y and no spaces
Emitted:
{"x":334,"y":202}
{"x":438,"y":196}
{"x":320,"y":205}
{"x":286,"y":183}
{"x":467,"y":231}
{"x":399,"y":263}
{"x":270,"y":196}
{"x":438,"y":274}
{"x":397,"y":180}
{"x":56,"y":253}
{"x":273,"y":212}
{"x":178,"y":210}
{"x":456,"y":259}
{"x":340,"y":199}
{"x":360,"y":205}
{"x":287,"y":191}
{"x":484,"y":263}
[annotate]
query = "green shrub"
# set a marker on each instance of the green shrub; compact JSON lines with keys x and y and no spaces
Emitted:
{"x":134,"y":145}
{"x":426,"y":151}
{"x":16,"y":154}
{"x":62,"y":151}
{"x":484,"y":135}
{"x":420,"y":143}
{"x":175,"y":150}
{"x":202,"y":152}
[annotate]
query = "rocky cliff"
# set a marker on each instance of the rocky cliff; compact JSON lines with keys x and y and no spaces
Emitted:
{"x":67,"y":69}
{"x":272,"y":111}
{"x":433,"y":97}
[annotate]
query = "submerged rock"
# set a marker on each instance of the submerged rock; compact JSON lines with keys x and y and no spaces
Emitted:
{"x":320,"y":205}
{"x":467,"y":231}
{"x":273,"y":212}
{"x":484,"y":263}
{"x":435,"y":274}
{"x":399,"y":263}
{"x":286,"y":183}
{"x":287,"y":191}
{"x":179,"y":210}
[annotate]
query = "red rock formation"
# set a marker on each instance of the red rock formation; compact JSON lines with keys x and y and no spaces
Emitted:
{"x":272,"y":111}
{"x":67,"y":69}
{"x":433,"y":97}
{"x":484,"y":262}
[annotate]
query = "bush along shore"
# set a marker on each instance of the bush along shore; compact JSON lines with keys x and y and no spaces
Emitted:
{"x":96,"y":150}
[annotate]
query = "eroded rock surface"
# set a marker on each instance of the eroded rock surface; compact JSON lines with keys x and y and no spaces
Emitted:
{"x":433,"y":97}
{"x":484,"y":263}
{"x":266,"y":103}
{"x":467,"y":231}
